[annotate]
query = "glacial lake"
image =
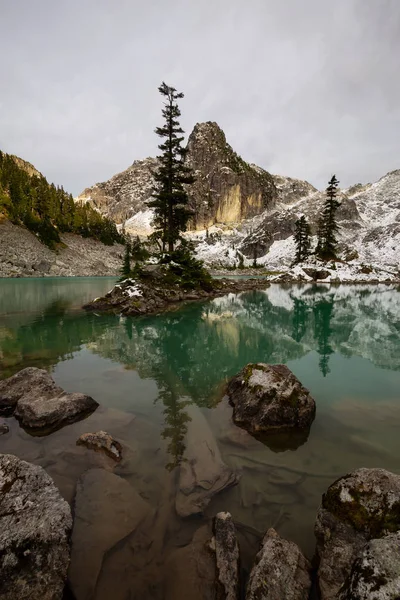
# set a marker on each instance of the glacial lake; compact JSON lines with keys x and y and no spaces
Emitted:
{"x":342,"y":342}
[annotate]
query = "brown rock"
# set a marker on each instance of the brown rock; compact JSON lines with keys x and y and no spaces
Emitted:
{"x":101,"y":441}
{"x":203,"y":472}
{"x":39,"y":404}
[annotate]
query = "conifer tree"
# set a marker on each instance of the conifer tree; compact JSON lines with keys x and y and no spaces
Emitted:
{"x":126,"y":266}
{"x":302,"y":239}
{"x":170,"y":198}
{"x":328,"y":227}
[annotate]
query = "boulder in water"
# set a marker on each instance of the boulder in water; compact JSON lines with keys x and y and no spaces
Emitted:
{"x":269,"y":398}
{"x":39,"y":404}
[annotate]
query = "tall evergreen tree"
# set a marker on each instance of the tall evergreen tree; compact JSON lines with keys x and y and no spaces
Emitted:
{"x":126,"y":265}
{"x":328,"y":227}
{"x":170,"y":198}
{"x":302,"y":239}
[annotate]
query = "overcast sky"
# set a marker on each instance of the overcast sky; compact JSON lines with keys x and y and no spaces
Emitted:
{"x":302,"y":88}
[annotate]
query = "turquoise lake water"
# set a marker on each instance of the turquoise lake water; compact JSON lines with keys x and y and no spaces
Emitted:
{"x":342,"y":342}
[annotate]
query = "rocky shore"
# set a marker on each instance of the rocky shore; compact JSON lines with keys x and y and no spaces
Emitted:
{"x":47,"y":550}
{"x":153,"y":294}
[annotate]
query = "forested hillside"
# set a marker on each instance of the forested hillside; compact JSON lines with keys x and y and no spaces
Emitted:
{"x":27,"y":198}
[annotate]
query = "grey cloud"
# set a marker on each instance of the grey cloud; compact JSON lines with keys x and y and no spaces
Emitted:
{"x":301,"y":88}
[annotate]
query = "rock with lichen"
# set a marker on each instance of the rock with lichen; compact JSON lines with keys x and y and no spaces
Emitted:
{"x":280,"y":571}
{"x":226,"y":549}
{"x":269,"y":398}
{"x":35,"y":526}
{"x":375,"y":574}
{"x":357,"y":508}
{"x":101,"y":441}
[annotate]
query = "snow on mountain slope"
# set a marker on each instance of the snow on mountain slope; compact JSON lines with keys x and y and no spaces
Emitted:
{"x":369,"y":220}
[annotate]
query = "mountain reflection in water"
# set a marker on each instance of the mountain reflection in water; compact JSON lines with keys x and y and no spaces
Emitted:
{"x":342,"y":342}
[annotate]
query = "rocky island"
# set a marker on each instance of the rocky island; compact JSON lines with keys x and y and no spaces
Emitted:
{"x":156,"y":291}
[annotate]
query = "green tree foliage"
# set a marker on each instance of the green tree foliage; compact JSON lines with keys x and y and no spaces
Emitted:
{"x":302,"y":239}
{"x":328,"y":227}
{"x":47,"y":210}
{"x":126,"y":265}
{"x":170,"y":199}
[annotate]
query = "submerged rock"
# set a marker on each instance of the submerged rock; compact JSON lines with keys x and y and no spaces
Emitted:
{"x":226,"y":549}
{"x":356,"y":508}
{"x":375,"y":575}
{"x":280,"y":571}
{"x":107,"y":509}
{"x":39,"y":404}
{"x":191,"y":571}
{"x":203,"y":472}
{"x":101,"y":441}
{"x":4,"y":428}
{"x":208,"y":567}
{"x":269,"y":398}
{"x":35,"y":524}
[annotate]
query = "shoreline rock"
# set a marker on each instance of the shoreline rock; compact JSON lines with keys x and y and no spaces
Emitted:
{"x":35,"y":525}
{"x":270,"y":399}
{"x":226,"y":549}
{"x":357,"y":508}
{"x":39,"y":404}
{"x":280,"y":571}
{"x":376,"y":572}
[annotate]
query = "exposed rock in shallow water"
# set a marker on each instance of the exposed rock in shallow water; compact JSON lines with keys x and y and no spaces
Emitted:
{"x":39,"y":404}
{"x":107,"y":509}
{"x":356,"y":508}
{"x":226,"y":557}
{"x":35,"y":523}
{"x":269,"y":398}
{"x":203,"y":472}
{"x":101,"y":441}
{"x":280,"y":571}
{"x":376,"y":573}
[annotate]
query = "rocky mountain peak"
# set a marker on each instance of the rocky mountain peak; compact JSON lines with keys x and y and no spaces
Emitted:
{"x":227,"y":189}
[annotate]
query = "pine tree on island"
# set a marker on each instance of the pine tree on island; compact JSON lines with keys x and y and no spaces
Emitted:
{"x":328,"y":227}
{"x":126,"y":265}
{"x":302,"y":239}
{"x":170,"y":200}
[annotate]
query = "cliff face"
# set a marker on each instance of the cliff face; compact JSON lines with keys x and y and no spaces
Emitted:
{"x":125,"y":194}
{"x":227,"y":189}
